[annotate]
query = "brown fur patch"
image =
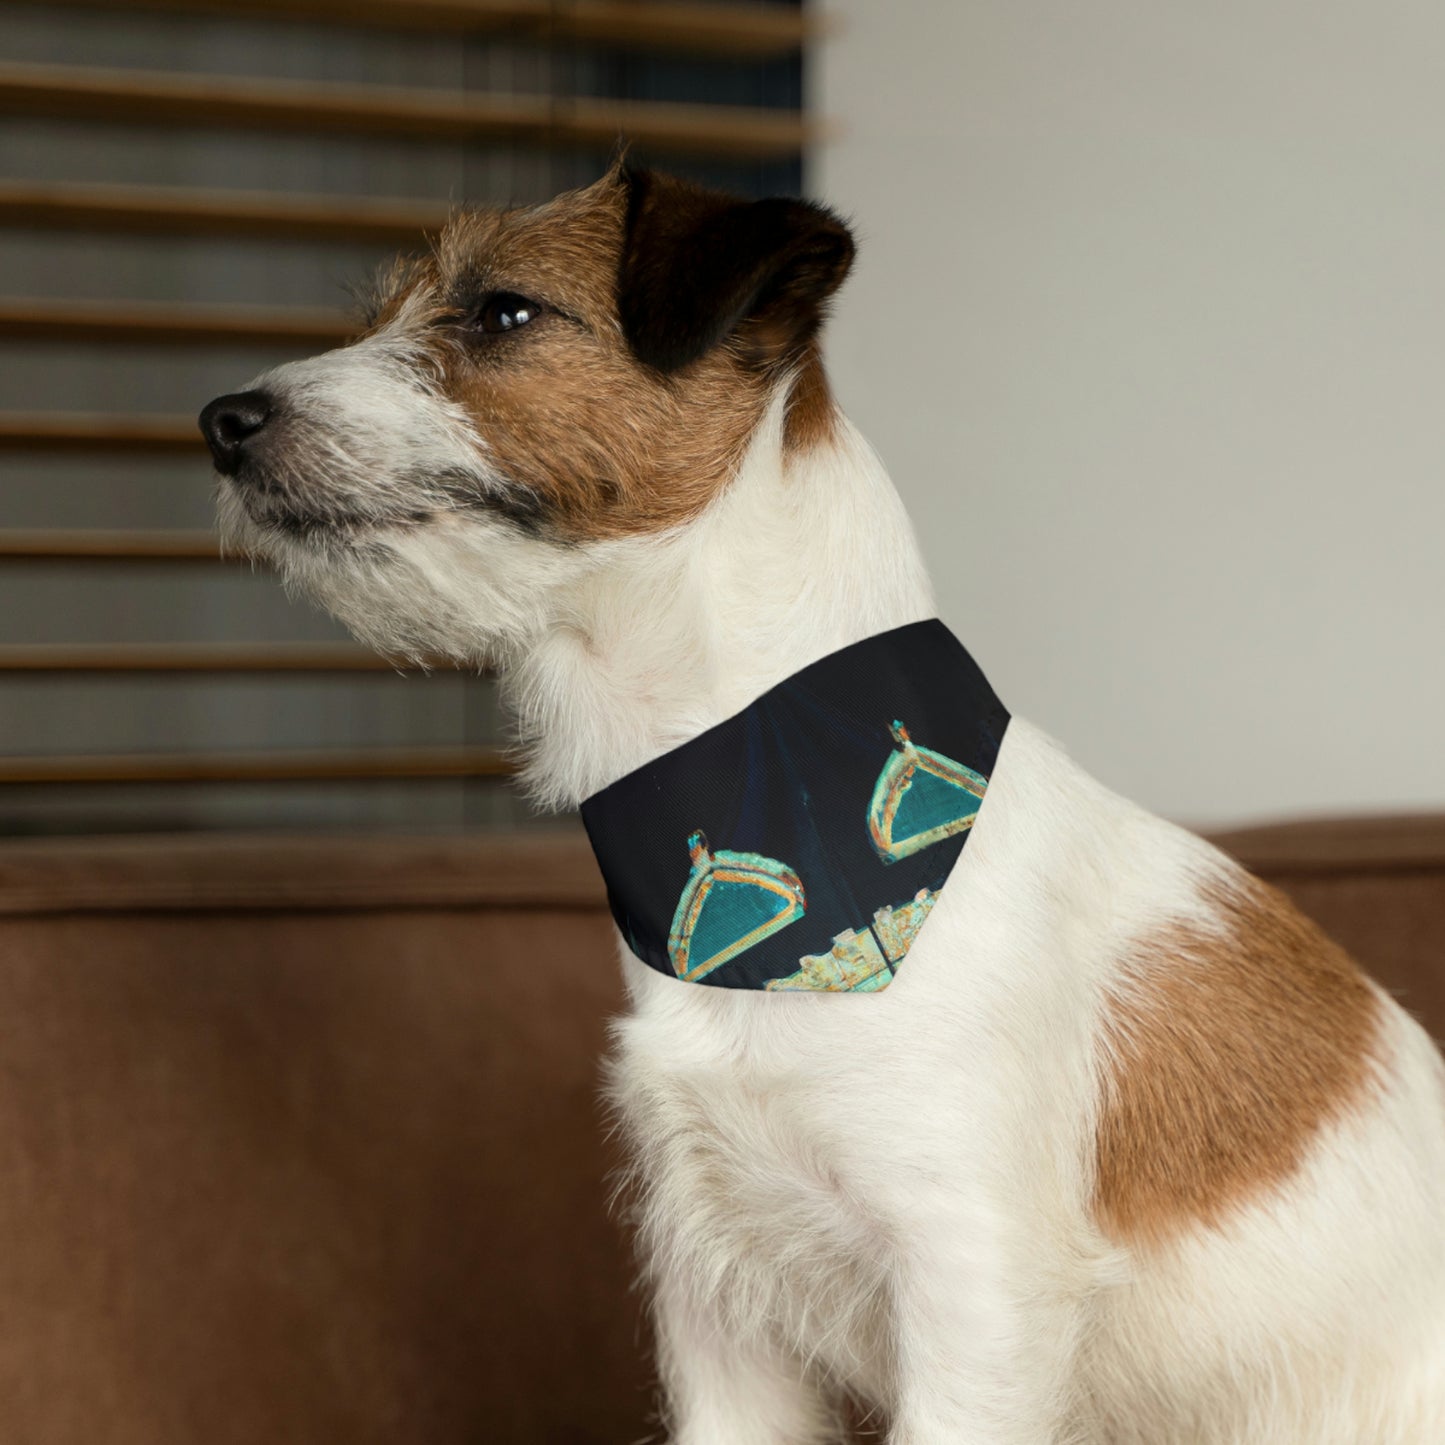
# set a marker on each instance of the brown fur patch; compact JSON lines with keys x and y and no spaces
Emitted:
{"x":812,"y":412}
{"x":595,"y":443}
{"x":1228,"y":1052}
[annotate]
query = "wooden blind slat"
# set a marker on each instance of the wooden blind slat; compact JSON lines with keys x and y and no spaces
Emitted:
{"x":169,"y":323}
{"x":182,"y":657}
{"x":160,"y":98}
{"x":705,"y":29}
{"x":357,"y":765}
{"x":108,"y":546}
{"x":176,"y":211}
{"x":94,"y":431}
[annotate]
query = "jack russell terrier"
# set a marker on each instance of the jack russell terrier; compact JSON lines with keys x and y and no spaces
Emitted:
{"x":1124,"y":1151}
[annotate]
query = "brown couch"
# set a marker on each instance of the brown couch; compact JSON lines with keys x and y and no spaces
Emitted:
{"x":299,"y":1141}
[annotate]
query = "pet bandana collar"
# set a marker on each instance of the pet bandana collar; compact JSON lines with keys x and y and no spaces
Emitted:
{"x":800,"y":845}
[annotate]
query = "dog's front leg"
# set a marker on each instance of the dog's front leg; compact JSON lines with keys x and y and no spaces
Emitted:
{"x":724,"y":1387}
{"x":985,"y":1343}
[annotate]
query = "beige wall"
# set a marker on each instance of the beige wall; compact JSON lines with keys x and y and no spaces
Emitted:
{"x":1149,"y":324}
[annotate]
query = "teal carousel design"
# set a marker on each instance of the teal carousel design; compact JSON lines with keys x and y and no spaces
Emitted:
{"x":861,"y":960}
{"x":920,"y":799}
{"x":730,"y":902}
{"x":733,"y":901}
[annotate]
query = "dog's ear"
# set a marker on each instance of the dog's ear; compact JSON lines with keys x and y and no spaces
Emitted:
{"x":699,"y":267}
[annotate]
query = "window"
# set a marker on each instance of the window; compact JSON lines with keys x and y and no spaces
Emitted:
{"x":188,"y":192}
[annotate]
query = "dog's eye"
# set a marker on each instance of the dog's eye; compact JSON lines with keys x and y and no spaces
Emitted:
{"x":506,"y":311}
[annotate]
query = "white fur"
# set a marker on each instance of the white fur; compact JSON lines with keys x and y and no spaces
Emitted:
{"x":889,"y":1195}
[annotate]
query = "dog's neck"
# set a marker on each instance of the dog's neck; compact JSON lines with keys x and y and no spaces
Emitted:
{"x":805,"y":553}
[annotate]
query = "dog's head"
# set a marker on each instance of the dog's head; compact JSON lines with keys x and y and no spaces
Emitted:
{"x":548,"y":381}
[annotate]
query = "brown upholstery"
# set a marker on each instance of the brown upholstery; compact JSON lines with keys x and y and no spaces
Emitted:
{"x":299,"y":1141}
{"x":325,"y":1171}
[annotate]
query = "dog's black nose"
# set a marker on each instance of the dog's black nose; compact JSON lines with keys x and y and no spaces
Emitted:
{"x":229,"y":422}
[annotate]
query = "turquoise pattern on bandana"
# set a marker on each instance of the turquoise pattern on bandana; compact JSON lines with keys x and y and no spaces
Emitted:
{"x":921,"y":798}
{"x":800,"y":846}
{"x":732,"y":901}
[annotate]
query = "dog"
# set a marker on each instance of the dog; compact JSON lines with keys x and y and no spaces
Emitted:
{"x":1129,"y":1153}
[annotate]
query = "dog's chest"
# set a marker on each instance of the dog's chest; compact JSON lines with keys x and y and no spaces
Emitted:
{"x":752,"y":1172}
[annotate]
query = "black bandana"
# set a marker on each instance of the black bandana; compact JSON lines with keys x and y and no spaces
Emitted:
{"x":800,"y":845}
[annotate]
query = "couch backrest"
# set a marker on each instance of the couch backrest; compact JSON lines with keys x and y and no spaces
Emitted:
{"x":300,"y":1140}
